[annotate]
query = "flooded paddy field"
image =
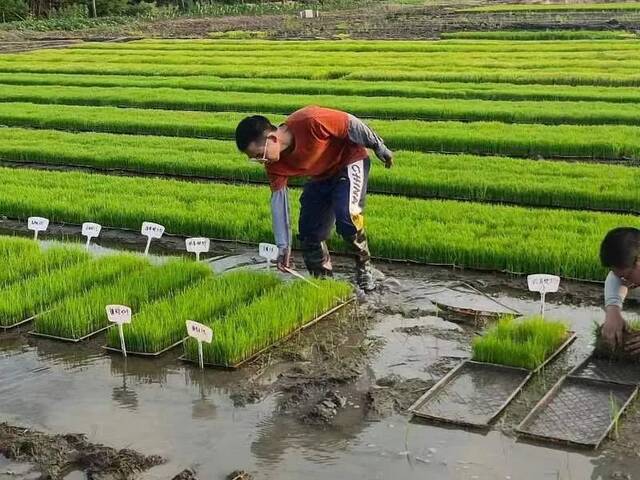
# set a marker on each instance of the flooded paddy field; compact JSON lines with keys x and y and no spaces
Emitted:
{"x":330,"y":402}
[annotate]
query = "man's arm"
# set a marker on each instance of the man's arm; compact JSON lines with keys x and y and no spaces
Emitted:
{"x":281,"y":222}
{"x":614,"y":295}
{"x":361,"y":134}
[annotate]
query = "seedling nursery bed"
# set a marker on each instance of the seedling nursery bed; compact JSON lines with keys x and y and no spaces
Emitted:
{"x":278,"y":342}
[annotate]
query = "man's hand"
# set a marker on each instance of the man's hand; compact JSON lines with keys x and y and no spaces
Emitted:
{"x":386,"y":156}
{"x":284,"y":259}
{"x":613,"y":327}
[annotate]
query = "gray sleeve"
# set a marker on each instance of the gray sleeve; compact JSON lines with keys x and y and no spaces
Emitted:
{"x":614,"y":291}
{"x":361,"y":134}
{"x":281,"y":219}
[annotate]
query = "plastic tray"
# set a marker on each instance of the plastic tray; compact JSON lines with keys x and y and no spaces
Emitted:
{"x":578,"y":411}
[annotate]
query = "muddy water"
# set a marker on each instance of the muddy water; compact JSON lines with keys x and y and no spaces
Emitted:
{"x":192,"y":418}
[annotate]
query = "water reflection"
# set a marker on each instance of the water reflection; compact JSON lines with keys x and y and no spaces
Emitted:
{"x":123,"y":395}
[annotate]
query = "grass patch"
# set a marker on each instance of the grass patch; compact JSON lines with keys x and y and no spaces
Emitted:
{"x":161,"y":324}
{"x":242,"y":333}
{"x":83,"y":314}
{"x":520,"y":343}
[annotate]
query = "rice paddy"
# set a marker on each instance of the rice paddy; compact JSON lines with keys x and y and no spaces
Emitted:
{"x":243,"y":332}
{"x":520,"y":343}
{"x":515,"y":151}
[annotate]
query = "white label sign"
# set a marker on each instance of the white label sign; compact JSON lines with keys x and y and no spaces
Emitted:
{"x":152,"y":230}
{"x":268,"y":251}
{"x":119,"y":314}
{"x":200,"y":332}
{"x":38,"y":224}
{"x":197,"y":245}
{"x":542,"y":282}
{"x":91,"y":230}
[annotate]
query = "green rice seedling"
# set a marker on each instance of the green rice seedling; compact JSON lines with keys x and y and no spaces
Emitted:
{"x":37,"y":294}
{"x":12,"y":246}
{"x":575,"y":75}
{"x":600,"y":7}
{"x":614,"y":413}
{"x":378,"y":107}
{"x":461,"y":233}
{"x":484,"y":91}
{"x":526,"y":343}
{"x":83,"y":314}
{"x":501,"y":51}
{"x":244,"y":332}
{"x":539,"y":35}
{"x":35,"y":261}
{"x":527,"y":140}
{"x":494,"y":179}
{"x":359,"y":46}
{"x":161,"y":324}
{"x":347,"y":61}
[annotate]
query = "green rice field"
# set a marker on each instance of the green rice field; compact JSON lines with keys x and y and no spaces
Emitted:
{"x":512,"y":153}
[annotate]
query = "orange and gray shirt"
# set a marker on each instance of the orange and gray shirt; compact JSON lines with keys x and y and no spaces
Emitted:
{"x":325,"y":141}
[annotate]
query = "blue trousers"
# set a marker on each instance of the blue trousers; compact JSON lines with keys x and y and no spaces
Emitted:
{"x":339,"y":201}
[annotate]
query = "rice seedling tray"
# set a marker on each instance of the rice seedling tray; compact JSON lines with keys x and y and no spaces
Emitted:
{"x":145,"y":354}
{"x":268,"y":347}
{"x":624,"y":373}
{"x":4,"y":328}
{"x":577,"y":412}
{"x":472,"y":395}
{"x":67,"y":339}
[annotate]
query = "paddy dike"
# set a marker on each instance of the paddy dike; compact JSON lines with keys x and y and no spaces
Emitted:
{"x":330,"y":402}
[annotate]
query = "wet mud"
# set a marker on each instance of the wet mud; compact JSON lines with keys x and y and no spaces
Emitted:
{"x":55,"y":456}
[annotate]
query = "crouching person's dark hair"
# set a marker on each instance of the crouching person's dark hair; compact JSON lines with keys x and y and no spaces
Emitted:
{"x":252,"y":129}
{"x":620,"y":248}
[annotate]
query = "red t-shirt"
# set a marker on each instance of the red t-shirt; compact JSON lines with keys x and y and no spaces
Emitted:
{"x":322,"y":146}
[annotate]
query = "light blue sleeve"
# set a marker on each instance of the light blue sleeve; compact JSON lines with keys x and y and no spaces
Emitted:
{"x":614,"y":291}
{"x":281,"y":219}
{"x":361,"y":134}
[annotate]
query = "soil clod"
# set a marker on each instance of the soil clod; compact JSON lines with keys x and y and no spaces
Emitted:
{"x":54,"y":455}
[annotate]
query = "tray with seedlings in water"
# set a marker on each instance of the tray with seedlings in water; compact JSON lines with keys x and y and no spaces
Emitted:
{"x":82,"y":316}
{"x":504,"y":359}
{"x":160,"y":326}
{"x":23,"y":301}
{"x":243,"y":334}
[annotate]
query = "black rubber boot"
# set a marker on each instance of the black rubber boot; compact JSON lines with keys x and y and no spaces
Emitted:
{"x":359,"y":247}
{"x":316,"y":258}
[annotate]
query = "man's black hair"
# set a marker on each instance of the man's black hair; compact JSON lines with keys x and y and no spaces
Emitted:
{"x":251,"y":129}
{"x":620,"y":248}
